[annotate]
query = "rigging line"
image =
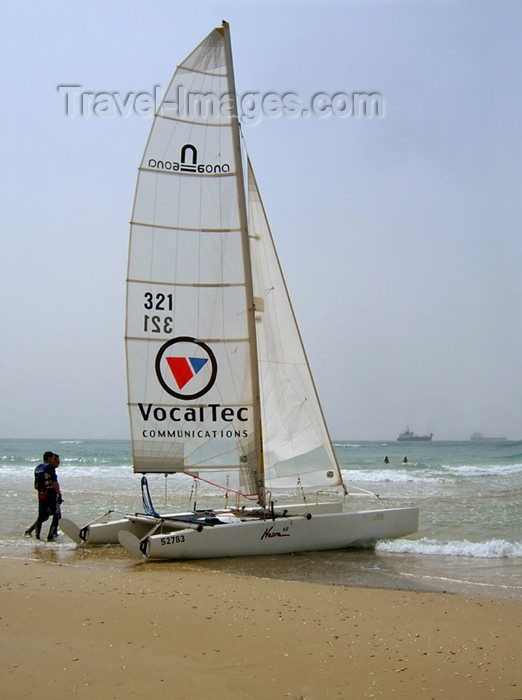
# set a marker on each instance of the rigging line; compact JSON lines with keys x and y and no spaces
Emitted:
{"x":365,"y":491}
{"x":223,"y":488}
{"x":299,"y":484}
{"x":100,"y":517}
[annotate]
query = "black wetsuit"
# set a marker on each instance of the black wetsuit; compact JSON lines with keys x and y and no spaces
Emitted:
{"x":48,"y":502}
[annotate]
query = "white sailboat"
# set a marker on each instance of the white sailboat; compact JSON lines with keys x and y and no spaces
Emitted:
{"x":219,"y":386}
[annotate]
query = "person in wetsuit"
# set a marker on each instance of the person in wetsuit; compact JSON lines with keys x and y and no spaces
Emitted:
{"x":49,"y":495}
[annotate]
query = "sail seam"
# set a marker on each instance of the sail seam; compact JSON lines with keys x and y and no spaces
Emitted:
{"x":192,"y":122}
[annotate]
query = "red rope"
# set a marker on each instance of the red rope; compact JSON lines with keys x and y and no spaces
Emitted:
{"x":224,"y":488}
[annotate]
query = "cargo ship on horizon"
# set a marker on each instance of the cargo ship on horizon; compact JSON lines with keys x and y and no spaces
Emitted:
{"x":478,"y":437}
{"x":409,"y":436}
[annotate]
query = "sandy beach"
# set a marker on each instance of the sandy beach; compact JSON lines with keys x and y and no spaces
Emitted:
{"x":181,"y":631}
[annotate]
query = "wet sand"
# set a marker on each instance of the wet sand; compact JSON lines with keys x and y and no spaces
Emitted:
{"x":182,"y":631}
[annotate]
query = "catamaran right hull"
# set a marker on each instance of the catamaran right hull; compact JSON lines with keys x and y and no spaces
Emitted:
{"x":280,"y":536}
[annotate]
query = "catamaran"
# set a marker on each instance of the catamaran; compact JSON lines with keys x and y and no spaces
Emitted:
{"x":219,"y":385}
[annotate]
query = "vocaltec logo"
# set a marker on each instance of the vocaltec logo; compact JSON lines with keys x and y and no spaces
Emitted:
{"x":252,"y":106}
{"x":187,"y":369}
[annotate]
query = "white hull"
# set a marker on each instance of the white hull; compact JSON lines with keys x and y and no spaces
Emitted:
{"x":103,"y":530}
{"x":107,"y":532}
{"x":280,"y":536}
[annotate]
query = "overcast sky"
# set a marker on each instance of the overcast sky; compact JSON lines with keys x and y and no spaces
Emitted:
{"x":399,"y":235}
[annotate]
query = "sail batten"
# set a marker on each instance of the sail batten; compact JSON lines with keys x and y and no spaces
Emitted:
{"x":180,"y":173}
{"x":244,"y":339}
{"x":177,"y":228}
{"x":187,"y":121}
{"x":202,"y":285}
{"x":183,"y":69}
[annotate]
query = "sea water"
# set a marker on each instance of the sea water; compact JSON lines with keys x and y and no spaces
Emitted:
{"x":469,"y":495}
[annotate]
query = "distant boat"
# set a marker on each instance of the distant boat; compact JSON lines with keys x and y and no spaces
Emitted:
{"x":409,"y":436}
{"x":478,"y":437}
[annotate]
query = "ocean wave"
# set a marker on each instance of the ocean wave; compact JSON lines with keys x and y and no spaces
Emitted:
{"x":430,"y":473}
{"x":378,"y":475}
{"x":475,"y":470}
{"x":490,"y":549}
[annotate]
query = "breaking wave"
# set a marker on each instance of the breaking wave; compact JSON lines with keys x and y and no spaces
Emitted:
{"x":491,"y":549}
{"x":428,"y":473}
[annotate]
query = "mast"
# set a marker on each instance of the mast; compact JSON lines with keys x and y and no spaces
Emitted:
{"x":243,"y":223}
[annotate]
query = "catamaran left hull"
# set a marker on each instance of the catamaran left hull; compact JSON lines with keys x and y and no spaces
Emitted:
{"x":107,"y":532}
{"x":279,"y":536}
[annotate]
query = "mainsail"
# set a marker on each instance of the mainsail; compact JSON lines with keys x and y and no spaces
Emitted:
{"x":217,"y":374}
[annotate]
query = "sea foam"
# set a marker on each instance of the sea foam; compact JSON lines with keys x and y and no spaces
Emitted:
{"x":490,"y":549}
